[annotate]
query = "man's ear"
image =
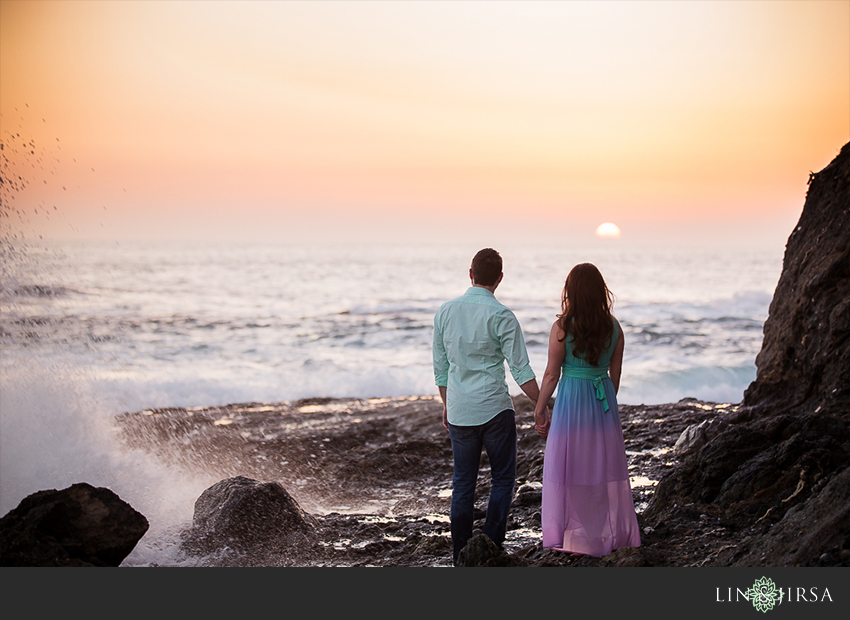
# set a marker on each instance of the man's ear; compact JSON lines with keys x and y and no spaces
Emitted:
{"x":471,"y":277}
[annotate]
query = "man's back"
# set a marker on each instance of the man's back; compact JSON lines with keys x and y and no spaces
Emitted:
{"x":474,"y":335}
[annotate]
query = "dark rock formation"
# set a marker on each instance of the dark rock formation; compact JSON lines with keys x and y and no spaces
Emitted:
{"x":816,"y":533}
{"x":528,"y":494}
{"x":81,"y":525}
{"x":777,"y":466}
{"x":804,"y":362}
{"x":242,"y":513}
{"x":759,"y":469}
{"x":481,"y":551}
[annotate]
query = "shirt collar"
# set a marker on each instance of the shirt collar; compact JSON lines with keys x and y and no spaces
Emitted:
{"x":477,"y":290}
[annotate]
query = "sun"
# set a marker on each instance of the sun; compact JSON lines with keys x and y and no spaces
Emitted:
{"x":608,"y":230}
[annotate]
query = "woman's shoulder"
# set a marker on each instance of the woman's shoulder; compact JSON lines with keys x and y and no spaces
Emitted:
{"x":557,"y":331}
{"x":618,"y":329}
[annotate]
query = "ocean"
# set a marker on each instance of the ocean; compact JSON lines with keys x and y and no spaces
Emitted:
{"x":89,"y":330}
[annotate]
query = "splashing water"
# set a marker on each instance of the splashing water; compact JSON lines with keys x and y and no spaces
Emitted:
{"x":55,"y":428}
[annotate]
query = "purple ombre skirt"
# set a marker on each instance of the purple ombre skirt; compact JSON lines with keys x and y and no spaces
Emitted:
{"x":587,"y":499}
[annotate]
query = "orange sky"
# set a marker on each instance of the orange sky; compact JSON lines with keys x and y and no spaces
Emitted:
{"x":297,"y":121}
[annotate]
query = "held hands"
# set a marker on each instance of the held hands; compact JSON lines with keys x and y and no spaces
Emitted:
{"x":542,"y":420}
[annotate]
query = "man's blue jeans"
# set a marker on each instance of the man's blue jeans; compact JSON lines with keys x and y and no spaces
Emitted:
{"x":498,"y":437}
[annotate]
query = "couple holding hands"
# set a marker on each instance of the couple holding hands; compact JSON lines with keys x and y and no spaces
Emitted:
{"x":587,"y":505}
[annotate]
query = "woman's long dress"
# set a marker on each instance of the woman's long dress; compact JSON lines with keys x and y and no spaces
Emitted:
{"x":587,"y":499}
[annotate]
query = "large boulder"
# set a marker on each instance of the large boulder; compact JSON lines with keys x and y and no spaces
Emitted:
{"x":243,"y":514}
{"x":481,"y":551}
{"x":767,"y":466}
{"x":81,"y":525}
{"x":805,"y":356}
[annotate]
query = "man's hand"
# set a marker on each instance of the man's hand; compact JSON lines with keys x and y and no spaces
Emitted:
{"x":443,"y":393}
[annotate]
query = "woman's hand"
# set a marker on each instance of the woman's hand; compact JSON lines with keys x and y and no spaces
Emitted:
{"x":542,"y":420}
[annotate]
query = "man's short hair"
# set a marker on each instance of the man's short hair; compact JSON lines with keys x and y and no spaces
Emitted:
{"x":486,"y":267}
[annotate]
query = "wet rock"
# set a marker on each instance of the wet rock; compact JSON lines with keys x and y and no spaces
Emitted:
{"x":481,"y":551}
{"x":538,"y":556}
{"x":81,"y":525}
{"x":528,"y":494}
{"x":626,"y":557}
{"x":243,"y":513}
{"x":697,"y":435}
{"x":433,"y":546}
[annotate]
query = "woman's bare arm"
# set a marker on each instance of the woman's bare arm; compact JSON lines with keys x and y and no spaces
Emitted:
{"x":615,"y":367}
{"x":551,"y":376}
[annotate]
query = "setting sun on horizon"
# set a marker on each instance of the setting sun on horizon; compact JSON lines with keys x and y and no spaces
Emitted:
{"x":608,"y":230}
{"x":294,"y":121}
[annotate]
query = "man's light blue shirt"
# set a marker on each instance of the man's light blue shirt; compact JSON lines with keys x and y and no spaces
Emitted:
{"x":474,"y":335}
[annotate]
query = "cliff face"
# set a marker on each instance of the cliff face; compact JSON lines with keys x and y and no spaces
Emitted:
{"x":781,"y":462}
{"x":804,"y":363}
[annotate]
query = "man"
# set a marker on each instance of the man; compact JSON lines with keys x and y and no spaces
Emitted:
{"x":474,"y":335}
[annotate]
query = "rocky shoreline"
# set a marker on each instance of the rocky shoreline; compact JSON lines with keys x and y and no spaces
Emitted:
{"x":369,"y":482}
{"x":375,"y":476}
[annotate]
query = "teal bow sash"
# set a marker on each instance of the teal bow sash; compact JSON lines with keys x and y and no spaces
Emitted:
{"x":597,"y":375}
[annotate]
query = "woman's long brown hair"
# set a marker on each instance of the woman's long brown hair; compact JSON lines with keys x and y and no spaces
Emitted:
{"x":585,"y":315}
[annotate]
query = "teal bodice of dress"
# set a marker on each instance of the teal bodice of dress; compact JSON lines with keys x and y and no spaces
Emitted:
{"x":579,"y":368}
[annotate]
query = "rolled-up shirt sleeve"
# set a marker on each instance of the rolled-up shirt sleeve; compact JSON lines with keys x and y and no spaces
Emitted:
{"x":513,"y":348}
{"x":441,"y":360}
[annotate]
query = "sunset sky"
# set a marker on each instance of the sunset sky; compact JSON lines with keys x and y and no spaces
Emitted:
{"x":304,"y":121}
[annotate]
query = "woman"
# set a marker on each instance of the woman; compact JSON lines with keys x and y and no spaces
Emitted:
{"x":587,"y":499}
